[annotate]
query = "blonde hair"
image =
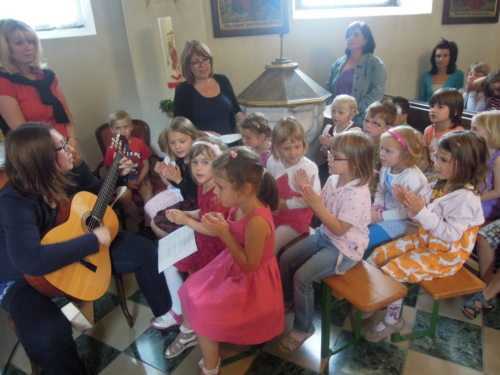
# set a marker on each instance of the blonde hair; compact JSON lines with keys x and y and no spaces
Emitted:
{"x":119,"y":115}
{"x":414,"y":141}
{"x":346,"y":100}
{"x":256,"y":122}
{"x":490,"y":120}
{"x":7,"y":28}
{"x":358,"y":149}
{"x":179,"y":125}
{"x":194,"y":48}
{"x":479,"y":67}
{"x":288,"y":128}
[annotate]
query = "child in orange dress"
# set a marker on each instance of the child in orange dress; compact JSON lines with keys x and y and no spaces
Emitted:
{"x":237,"y":297}
{"x":448,"y":212}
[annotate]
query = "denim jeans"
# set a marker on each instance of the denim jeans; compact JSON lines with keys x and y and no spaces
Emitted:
{"x":308,"y":261}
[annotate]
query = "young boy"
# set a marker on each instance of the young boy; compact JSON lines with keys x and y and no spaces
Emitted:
{"x":343,"y":109}
{"x":402,"y":107}
{"x":379,"y":117}
{"x":121,"y":123}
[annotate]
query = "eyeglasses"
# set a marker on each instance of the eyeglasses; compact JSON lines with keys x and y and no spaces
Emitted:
{"x":64,"y":147}
{"x":197,"y":63}
{"x":332,"y":158}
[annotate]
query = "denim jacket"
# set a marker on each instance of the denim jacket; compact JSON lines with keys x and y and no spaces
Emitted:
{"x":368,"y":85}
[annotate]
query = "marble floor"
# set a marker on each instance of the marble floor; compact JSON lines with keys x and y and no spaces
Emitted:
{"x":462,"y":346}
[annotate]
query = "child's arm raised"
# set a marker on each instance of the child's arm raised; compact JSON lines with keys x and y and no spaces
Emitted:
{"x":256,"y":232}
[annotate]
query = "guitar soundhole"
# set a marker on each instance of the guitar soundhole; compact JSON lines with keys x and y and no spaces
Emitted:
{"x":89,"y":222}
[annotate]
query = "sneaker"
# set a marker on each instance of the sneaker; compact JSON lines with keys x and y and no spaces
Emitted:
{"x":166,"y":321}
{"x":374,"y":335}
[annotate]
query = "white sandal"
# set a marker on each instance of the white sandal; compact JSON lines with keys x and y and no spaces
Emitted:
{"x":204,"y":371}
{"x":184,"y":340}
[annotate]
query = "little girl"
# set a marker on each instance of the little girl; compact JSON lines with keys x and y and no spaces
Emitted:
{"x":474,"y":99}
{"x":237,"y":297}
{"x":255,"y":133}
{"x":344,"y":211}
{"x":288,"y":147}
{"x":176,"y":140}
{"x":343,"y":109}
{"x":492,"y":90}
{"x":448,"y":212}
{"x":400,"y":150}
{"x":487,"y":126}
{"x":203,"y":152}
{"x":445,"y":111}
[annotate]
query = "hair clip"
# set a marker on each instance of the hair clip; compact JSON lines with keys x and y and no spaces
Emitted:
{"x":234,"y":154}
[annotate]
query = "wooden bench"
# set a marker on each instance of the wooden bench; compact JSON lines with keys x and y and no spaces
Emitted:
{"x":459,"y":284}
{"x":366,"y":288}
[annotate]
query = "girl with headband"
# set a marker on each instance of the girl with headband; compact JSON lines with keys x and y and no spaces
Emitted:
{"x":401,"y":148}
{"x":203,"y":151}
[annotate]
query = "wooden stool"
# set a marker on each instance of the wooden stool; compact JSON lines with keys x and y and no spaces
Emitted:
{"x":365,"y":287}
{"x":120,"y":291}
{"x":461,"y":283}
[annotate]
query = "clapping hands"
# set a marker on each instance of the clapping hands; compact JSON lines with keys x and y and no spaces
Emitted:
{"x":305,"y":184}
{"x":412,"y":201}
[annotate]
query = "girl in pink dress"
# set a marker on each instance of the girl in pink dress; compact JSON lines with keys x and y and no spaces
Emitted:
{"x":203,"y":152}
{"x":288,"y":147}
{"x":237,"y":297}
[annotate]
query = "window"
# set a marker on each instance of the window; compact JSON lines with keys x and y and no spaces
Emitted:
{"x":52,"y":18}
{"x":304,"y":9}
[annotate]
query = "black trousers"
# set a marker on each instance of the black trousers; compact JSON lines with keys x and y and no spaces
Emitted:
{"x":44,"y":331}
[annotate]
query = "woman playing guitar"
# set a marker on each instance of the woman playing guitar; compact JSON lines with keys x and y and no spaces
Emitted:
{"x":37,"y":162}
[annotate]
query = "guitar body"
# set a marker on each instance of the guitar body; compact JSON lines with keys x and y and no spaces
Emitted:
{"x":76,"y":280}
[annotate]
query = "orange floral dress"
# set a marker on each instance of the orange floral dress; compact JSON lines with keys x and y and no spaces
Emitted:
{"x":448,"y":229}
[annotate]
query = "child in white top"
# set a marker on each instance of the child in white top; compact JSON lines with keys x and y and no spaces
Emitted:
{"x":255,"y":133}
{"x":343,"y":208}
{"x":288,"y":147}
{"x":448,"y":213}
{"x":343,"y":109}
{"x":400,"y":150}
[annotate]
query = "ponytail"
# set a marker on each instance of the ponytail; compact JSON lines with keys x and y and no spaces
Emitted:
{"x":268,"y":191}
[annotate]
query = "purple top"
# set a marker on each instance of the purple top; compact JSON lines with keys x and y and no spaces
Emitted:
{"x":344,"y":84}
{"x":491,"y":208}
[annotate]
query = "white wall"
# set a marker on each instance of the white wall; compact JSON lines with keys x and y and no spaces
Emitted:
{"x":122,"y":66}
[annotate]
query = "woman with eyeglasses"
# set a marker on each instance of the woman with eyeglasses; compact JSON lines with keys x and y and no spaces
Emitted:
{"x":29,"y":92}
{"x":38,"y":160}
{"x":205,"y":98}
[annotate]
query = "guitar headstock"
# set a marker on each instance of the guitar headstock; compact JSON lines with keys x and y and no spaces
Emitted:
{"x":120,"y":144}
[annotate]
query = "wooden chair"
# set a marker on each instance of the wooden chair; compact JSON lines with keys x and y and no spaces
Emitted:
{"x":461,"y":283}
{"x":367,"y":289}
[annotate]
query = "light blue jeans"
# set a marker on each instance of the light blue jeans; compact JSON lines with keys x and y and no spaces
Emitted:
{"x":308,"y":261}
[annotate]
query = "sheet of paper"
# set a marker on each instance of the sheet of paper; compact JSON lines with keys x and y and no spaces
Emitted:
{"x":175,"y":246}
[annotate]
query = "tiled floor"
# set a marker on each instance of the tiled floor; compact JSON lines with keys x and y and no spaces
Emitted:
{"x":462,"y":347}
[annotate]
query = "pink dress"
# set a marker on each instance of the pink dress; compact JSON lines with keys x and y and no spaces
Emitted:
{"x":298,"y":218}
{"x":208,"y":247}
{"x":228,"y":304}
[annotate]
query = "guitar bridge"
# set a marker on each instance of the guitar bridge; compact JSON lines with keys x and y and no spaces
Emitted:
{"x":90,"y":266}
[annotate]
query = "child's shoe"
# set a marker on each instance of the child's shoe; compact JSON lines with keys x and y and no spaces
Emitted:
{"x":184,"y":340}
{"x":383,"y":330}
{"x":294,"y":340}
{"x":166,"y":321}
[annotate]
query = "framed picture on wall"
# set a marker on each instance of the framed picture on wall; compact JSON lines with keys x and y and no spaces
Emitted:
{"x":249,"y":17}
{"x":470,"y":11}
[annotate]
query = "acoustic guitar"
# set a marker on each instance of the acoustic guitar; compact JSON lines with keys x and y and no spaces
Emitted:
{"x":88,"y":279}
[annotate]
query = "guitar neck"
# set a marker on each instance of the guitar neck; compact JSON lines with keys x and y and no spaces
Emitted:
{"x":106,"y":190}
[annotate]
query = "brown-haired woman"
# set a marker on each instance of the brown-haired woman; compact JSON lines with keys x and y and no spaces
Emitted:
{"x":205,"y":98}
{"x":37,"y":162}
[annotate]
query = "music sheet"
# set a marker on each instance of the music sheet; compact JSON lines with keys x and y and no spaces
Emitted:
{"x":175,"y":246}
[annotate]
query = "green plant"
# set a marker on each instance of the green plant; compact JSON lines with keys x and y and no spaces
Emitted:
{"x":167,"y":106}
